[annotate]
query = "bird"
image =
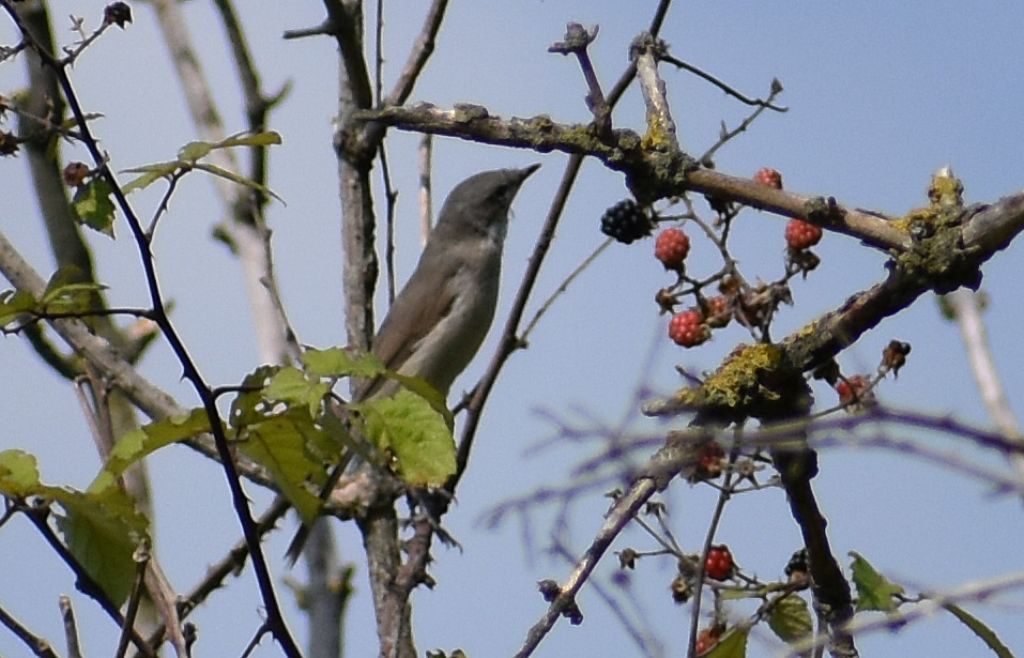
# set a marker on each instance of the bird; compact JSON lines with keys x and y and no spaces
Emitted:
{"x":444,"y":311}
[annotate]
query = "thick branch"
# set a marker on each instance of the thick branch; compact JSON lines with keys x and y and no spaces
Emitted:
{"x":651,"y":174}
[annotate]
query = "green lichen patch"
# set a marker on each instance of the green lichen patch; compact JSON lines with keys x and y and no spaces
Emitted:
{"x":741,"y":384}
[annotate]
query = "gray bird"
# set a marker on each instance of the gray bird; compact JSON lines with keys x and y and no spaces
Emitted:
{"x":442,"y":315}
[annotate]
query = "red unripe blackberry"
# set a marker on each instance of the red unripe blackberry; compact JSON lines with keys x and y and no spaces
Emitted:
{"x":710,"y":462}
{"x":671,"y":248}
{"x":706,"y":641}
{"x":770,"y":177}
{"x":800,"y":234}
{"x":687,"y":328}
{"x":719,"y":564}
{"x":853,"y":390}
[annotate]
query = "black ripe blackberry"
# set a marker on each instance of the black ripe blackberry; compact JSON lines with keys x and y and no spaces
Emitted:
{"x":797,"y":563}
{"x":626,"y":222}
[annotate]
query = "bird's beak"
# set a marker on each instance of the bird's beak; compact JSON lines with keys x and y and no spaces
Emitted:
{"x":525,"y":172}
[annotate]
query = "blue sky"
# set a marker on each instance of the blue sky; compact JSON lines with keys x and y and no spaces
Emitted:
{"x":881,"y":95}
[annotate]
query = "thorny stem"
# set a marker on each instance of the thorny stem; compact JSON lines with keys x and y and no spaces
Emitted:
{"x":190,"y":371}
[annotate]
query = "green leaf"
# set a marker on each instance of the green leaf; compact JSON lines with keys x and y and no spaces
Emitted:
{"x":64,"y":276}
{"x":790,"y":619}
{"x":874,"y":591}
{"x":150,"y":174}
{"x":236,"y":178}
{"x":66,"y":292}
{"x":755,"y":593}
{"x":102,"y":529}
{"x":293,"y":385}
{"x":250,"y":406}
{"x":19,"y":474}
{"x":339,"y":362}
{"x":268,"y":138}
{"x":14,"y":304}
{"x":417,"y":436}
{"x":138,"y":443}
{"x":94,"y":207}
{"x":426,"y":391}
{"x":295,"y":451}
{"x":732,"y":645}
{"x":986,"y":634}
{"x":194,"y":150}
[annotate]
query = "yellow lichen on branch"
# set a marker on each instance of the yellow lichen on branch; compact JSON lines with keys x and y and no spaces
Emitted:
{"x":740,"y":382}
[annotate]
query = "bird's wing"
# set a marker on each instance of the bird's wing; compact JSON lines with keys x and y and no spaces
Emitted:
{"x":419,"y":307}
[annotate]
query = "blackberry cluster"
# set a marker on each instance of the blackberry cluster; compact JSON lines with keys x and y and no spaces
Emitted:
{"x":626,"y":221}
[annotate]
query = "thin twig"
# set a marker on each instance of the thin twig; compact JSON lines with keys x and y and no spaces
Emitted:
{"x":85,"y":583}
{"x":426,"y":201}
{"x":141,"y":558}
{"x":709,"y":538}
{"x":967,"y":313}
{"x":728,"y":135}
{"x":67,"y":614}
{"x":36,"y":644}
{"x":230,"y":565}
{"x":563,"y":287}
{"x":644,"y":640}
{"x":766,"y":104}
{"x":934,"y":603}
{"x":624,"y":509}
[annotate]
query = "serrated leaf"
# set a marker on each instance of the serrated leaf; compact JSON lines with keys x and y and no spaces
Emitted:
{"x":874,"y":591}
{"x":101,"y":530}
{"x":294,"y":386}
{"x":94,"y":207}
{"x":339,"y":362}
{"x":295,"y":452}
{"x":732,"y":645}
{"x":790,"y":619}
{"x":267,"y":138}
{"x":194,"y":150}
{"x":19,"y":474}
{"x":236,"y":178}
{"x":984,"y":633}
{"x":419,"y":438}
{"x":138,"y":443}
{"x":150,"y":174}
